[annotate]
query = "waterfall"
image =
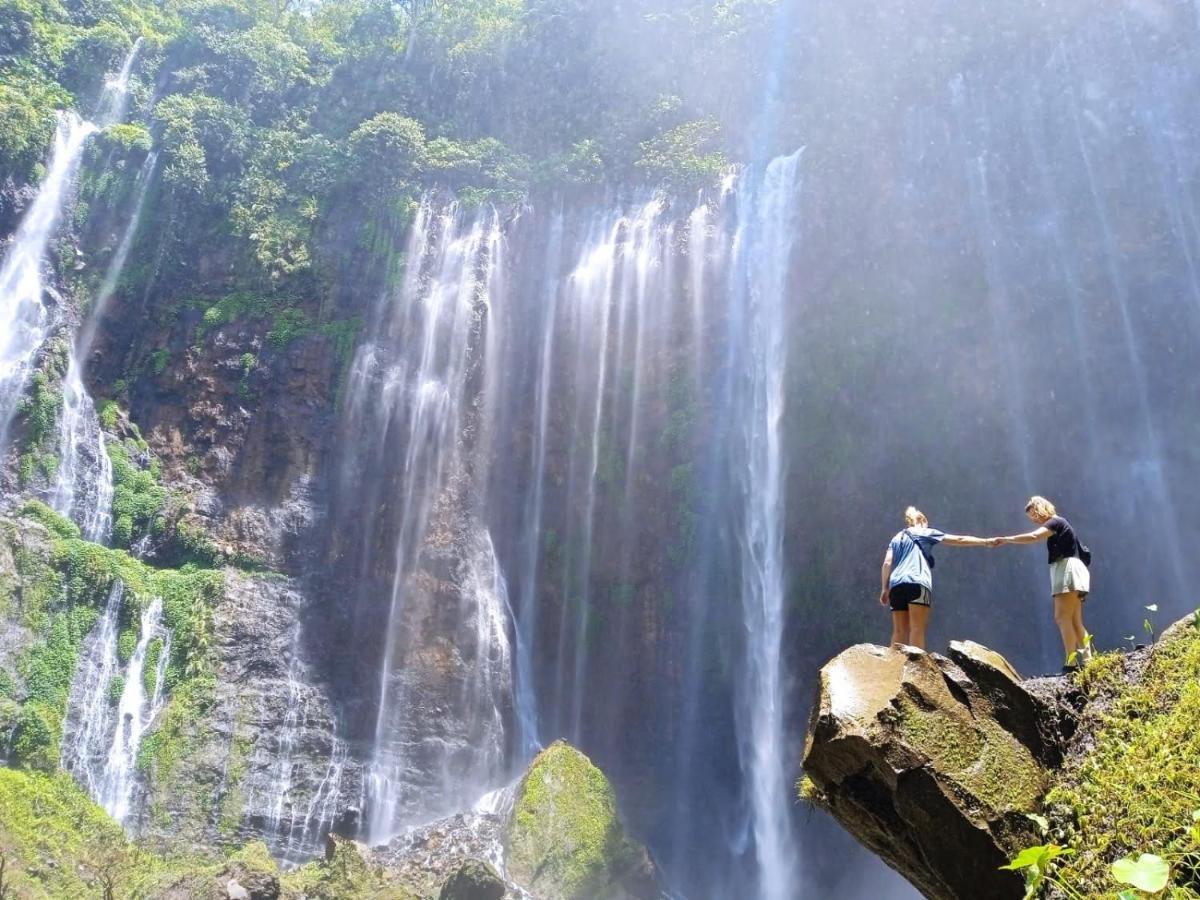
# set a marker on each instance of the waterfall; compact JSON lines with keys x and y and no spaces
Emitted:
{"x":301,"y":813}
{"x":82,"y":486}
{"x":102,"y":733}
{"x":135,"y":712}
{"x":114,"y":99}
{"x":409,"y":388}
{"x":89,"y":721}
{"x":26,"y":321}
{"x":766,"y":232}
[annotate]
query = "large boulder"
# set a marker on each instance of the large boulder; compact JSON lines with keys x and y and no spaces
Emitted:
{"x":565,"y":840}
{"x":932,"y":763}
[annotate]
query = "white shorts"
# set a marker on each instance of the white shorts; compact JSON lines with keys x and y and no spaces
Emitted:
{"x":1070,"y":575}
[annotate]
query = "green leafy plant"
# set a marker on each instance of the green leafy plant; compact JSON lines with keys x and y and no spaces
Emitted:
{"x":1035,"y":863}
{"x":1147,"y":873}
{"x":1148,"y":623}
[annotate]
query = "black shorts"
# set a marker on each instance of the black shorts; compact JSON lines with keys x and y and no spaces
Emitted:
{"x":902,"y":595}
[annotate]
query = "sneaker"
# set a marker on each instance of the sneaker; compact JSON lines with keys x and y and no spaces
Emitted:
{"x":1070,"y":668}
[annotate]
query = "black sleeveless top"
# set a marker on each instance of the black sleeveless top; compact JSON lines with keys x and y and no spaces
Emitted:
{"x":1063,"y":544}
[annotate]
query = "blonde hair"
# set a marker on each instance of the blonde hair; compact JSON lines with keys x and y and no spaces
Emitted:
{"x":913,"y":517}
{"x":1040,"y":506}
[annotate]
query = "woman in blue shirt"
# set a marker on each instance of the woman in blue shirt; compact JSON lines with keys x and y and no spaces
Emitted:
{"x":907,"y":576}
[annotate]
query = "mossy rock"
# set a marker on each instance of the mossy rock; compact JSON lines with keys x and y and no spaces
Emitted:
{"x":565,"y":840}
{"x":344,"y":874}
{"x":475,"y":880}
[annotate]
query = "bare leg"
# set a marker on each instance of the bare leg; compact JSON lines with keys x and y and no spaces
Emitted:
{"x":1081,"y":632}
{"x":918,"y":618}
{"x":900,"y":627}
{"x":1066,"y":608}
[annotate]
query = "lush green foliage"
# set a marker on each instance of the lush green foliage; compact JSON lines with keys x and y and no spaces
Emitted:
{"x":1138,"y":791}
{"x":39,"y":410}
{"x":63,"y":583}
{"x":138,"y":498}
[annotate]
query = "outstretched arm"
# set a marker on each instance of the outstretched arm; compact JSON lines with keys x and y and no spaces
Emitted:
{"x":963,"y":540}
{"x":884,"y":574}
{"x":1030,"y":537}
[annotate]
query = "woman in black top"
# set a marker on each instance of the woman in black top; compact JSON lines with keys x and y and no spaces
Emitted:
{"x":1070,"y":580}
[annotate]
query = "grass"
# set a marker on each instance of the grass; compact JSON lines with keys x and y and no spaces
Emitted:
{"x":1138,"y":788}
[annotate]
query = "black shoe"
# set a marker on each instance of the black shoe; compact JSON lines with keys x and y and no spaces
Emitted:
{"x":1071,"y":669}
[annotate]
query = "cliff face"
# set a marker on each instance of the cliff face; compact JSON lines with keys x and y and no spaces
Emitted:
{"x":948,"y":767}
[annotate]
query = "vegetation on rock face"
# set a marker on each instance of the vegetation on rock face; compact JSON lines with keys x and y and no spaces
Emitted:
{"x":56,"y":844}
{"x":565,"y":840}
{"x":343,"y":875}
{"x":277,"y":125}
{"x":1135,"y":787}
{"x":61,"y":584}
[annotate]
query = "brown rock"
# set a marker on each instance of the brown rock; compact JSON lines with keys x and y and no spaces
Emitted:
{"x":931,"y":763}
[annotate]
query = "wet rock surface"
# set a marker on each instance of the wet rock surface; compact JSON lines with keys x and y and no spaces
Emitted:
{"x":933,"y":762}
{"x":265,"y":754}
{"x":474,"y":880}
{"x":432,"y":856}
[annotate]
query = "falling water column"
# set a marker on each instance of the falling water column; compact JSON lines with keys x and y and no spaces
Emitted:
{"x":767,"y":217}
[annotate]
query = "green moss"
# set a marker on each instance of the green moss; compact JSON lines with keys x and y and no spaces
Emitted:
{"x":976,"y":753}
{"x":343,"y":875}
{"x":1136,"y":790}
{"x":46,"y":669}
{"x":809,"y":792}
{"x":128,"y":138}
{"x":126,"y":643}
{"x":288,"y":325}
{"x":116,"y":687}
{"x":565,"y":839}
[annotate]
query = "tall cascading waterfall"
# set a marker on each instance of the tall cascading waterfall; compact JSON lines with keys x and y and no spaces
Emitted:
{"x":83,"y":484}
{"x":103,"y":727}
{"x":102,"y":731}
{"x":440,"y":734}
{"x":26,"y":321}
{"x":135,"y":711}
{"x":90,"y":719}
{"x":82,"y":481}
{"x":768,"y":224}
{"x":631,"y":395}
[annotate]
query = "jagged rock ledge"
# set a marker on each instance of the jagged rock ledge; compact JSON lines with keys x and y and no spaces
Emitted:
{"x":934,"y":763}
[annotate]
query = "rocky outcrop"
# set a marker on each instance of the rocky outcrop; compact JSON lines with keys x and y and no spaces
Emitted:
{"x":565,"y":840}
{"x":263,"y":760}
{"x":934,"y":763}
{"x":474,"y":880}
{"x":430,"y":857}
